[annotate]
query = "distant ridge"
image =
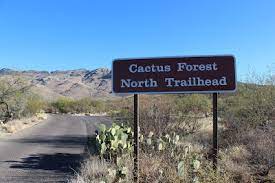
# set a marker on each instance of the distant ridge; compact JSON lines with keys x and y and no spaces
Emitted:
{"x":78,"y":83}
{"x":6,"y":71}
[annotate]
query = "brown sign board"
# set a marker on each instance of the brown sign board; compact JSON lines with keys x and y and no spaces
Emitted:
{"x":198,"y":74}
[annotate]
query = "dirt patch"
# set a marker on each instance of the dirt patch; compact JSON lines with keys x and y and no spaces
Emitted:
{"x":90,"y":114}
{"x":20,"y":124}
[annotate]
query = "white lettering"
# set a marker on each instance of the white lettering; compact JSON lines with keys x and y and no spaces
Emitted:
{"x":207,"y":82}
{"x":133,"y":68}
{"x":125,"y":83}
{"x":181,"y":66}
{"x":223,"y":81}
{"x":167,"y":68}
{"x":195,"y":81}
{"x":196,"y":67}
{"x":215,"y":66}
{"x":129,"y":83}
{"x":169,"y":80}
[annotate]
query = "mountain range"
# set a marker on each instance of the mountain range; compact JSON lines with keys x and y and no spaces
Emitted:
{"x":75,"y":84}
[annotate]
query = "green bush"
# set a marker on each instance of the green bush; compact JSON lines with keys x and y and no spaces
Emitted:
{"x":97,"y":106}
{"x":34,"y":105}
{"x":64,"y":105}
{"x":85,"y":105}
{"x":250,"y":107}
{"x":14,"y":92}
{"x":81,"y":106}
{"x":195,"y":103}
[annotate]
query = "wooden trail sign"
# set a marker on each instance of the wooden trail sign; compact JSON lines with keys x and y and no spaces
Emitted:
{"x":202,"y":74}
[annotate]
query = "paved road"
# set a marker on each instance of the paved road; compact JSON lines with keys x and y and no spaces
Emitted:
{"x":48,"y":152}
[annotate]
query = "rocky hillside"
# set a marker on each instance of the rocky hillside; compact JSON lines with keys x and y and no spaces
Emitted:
{"x":71,"y":83}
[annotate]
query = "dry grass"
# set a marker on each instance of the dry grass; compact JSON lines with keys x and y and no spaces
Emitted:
{"x":235,"y":161}
{"x":20,"y":124}
{"x":93,"y":170}
{"x":150,"y":168}
{"x":96,"y":170}
{"x":249,"y":155}
{"x":246,"y":155}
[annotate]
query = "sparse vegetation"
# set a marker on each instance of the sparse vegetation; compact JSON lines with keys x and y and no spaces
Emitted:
{"x":175,"y":133}
{"x":176,"y":136}
{"x":19,"y":107}
{"x":20,"y":124}
{"x":35,"y":104}
{"x":13,"y":93}
{"x":85,"y":105}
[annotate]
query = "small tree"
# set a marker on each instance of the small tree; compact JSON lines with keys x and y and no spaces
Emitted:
{"x":13,"y":91}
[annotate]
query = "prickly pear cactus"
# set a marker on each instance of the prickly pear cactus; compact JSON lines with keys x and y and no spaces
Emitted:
{"x":196,"y":164}
{"x":114,"y":141}
{"x":195,"y":169}
{"x":181,"y":169}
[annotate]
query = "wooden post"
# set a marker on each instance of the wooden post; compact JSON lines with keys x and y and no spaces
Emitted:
{"x":136,"y":138}
{"x":215,"y":131}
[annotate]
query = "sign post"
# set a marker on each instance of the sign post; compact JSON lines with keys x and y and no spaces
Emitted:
{"x":136,"y":138}
{"x":197,"y":74}
{"x":215,"y":130}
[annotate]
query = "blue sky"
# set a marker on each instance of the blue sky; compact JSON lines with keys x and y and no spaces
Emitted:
{"x":70,"y":34}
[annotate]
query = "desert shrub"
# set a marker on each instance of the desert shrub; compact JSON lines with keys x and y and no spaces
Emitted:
{"x":64,"y":105}
{"x":13,"y":97}
{"x":155,"y":114}
{"x":163,"y":159}
{"x":247,"y":116}
{"x":121,"y":111}
{"x":253,"y":105}
{"x":261,"y":145}
{"x":118,"y":104}
{"x":185,"y":124}
{"x":194,"y":103}
{"x":98,"y":106}
{"x":85,"y":105}
{"x":80,"y":106}
{"x":96,"y":170}
{"x":166,"y":113}
{"x":170,"y":127}
{"x":93,"y":170}
{"x":170,"y":159}
{"x":34,"y":105}
{"x":250,"y":154}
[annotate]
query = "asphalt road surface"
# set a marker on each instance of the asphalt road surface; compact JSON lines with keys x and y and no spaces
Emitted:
{"x":50,"y":151}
